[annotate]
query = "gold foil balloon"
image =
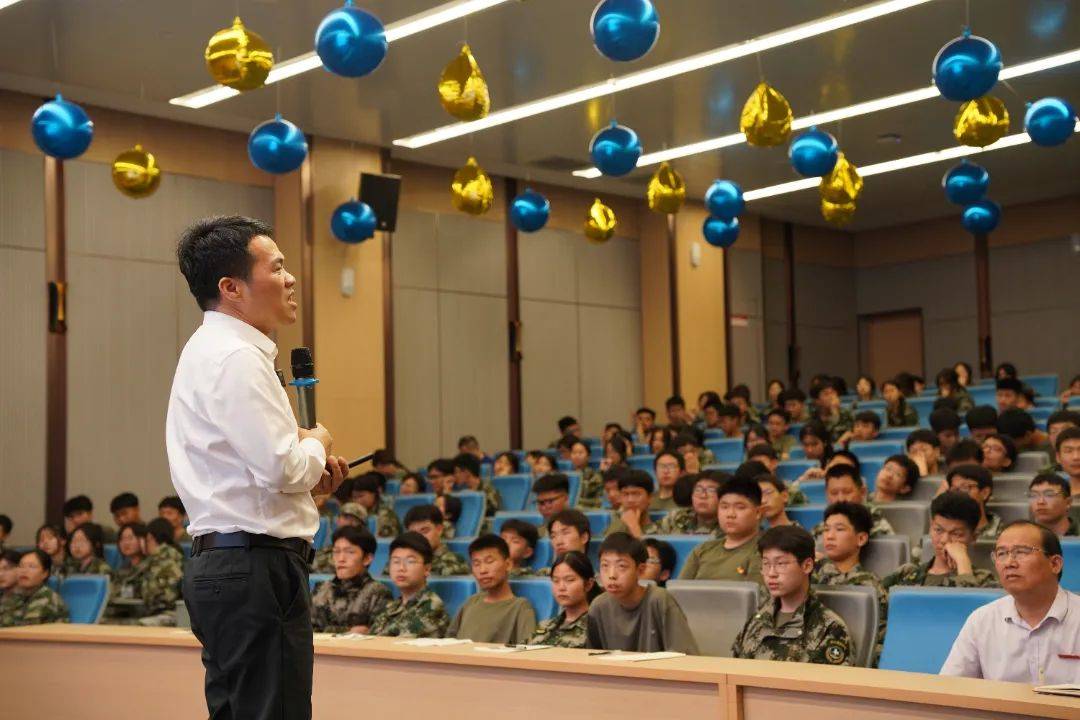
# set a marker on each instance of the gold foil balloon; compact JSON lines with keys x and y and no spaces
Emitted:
{"x":981,"y":122}
{"x":463,"y":91}
{"x":471,"y":189}
{"x":135,"y":173}
{"x":667,"y":191}
{"x":238,"y":58}
{"x":843,"y":184}
{"x":837,"y":213}
{"x":766,"y":117}
{"x":599,"y":222}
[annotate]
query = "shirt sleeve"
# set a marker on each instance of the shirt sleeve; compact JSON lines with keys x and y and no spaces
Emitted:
{"x":677,"y":634}
{"x":690,"y":568}
{"x":963,"y":660}
{"x":525,"y":623}
{"x":246,"y":405}
{"x":593,"y":639}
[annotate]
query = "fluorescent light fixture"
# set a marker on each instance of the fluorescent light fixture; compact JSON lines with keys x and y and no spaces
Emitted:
{"x":667,"y":70}
{"x":412,"y":25}
{"x":7,"y":3}
{"x":888,"y":166}
{"x":863,"y":108}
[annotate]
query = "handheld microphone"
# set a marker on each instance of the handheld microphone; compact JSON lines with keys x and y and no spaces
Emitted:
{"x":304,"y":380}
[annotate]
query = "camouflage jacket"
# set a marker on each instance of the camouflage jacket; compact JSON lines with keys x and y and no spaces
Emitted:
{"x":492,"y":499}
{"x":324,"y":560}
{"x":814,"y":634}
{"x":796,"y":496}
{"x":827,"y":573}
{"x":617,"y":525}
{"x":916,"y":574}
{"x":592,"y":488}
{"x":96,"y":566}
{"x":843,"y":421}
{"x":341,"y":604}
{"x":387,"y":523}
{"x":559,"y":633}
{"x":127,"y":580}
{"x":706,"y":457}
{"x":422,"y":616}
{"x":160,"y":582}
{"x":992,"y":528}
{"x":880,"y":525}
{"x":446,"y":562}
{"x":43,"y":605}
{"x":523,"y":571}
{"x":784,"y":445}
{"x":684,"y":521}
{"x":901,"y":416}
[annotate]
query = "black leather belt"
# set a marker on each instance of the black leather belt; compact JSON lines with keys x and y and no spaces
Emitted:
{"x":246,"y":540}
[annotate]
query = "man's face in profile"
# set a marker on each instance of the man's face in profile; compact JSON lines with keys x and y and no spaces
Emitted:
{"x":270,"y":301}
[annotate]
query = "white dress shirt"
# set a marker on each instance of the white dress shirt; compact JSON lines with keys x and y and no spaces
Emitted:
{"x":235,"y":457}
{"x":997,"y":644}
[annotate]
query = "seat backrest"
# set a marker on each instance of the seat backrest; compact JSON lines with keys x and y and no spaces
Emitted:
{"x":382,"y":556}
{"x":1070,"y":574}
{"x":513,"y":490}
{"x":323,"y":534}
{"x":543,"y":554}
{"x":726,"y":449}
{"x":393,"y":486}
{"x":472,"y":513}
{"x":807,"y":515}
{"x":923,"y":406}
{"x":870,"y":467}
{"x":533,"y":518}
{"x":814,"y":490}
{"x":876,"y":448}
{"x":980,"y":553}
{"x":86,"y":597}
{"x":112,"y":555}
{"x":883,"y":555}
{"x":924,"y":623}
{"x":1008,"y":511}
{"x":790,"y":470}
{"x":459,"y":545}
{"x":453,"y":591}
{"x":908,"y":518}
{"x":641,"y":462}
{"x":657,"y":515}
{"x":983,"y":395}
{"x":598,"y":522}
{"x":317,"y":579}
{"x":894,"y":433}
{"x":684,"y":545}
{"x":926,"y":488}
{"x":1028,"y":463}
{"x":1011,"y":488}
{"x":404,"y":503}
{"x":857,"y":605}
{"x":797,"y":452}
{"x":538,"y":592}
{"x":594,"y":552}
{"x":716,"y":610}
{"x":1046,"y":385}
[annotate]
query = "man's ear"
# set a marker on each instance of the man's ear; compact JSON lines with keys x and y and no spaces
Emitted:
{"x":231,"y":289}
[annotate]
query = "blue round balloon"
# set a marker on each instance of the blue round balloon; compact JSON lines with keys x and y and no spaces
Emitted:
{"x":350,"y":41}
{"x":966,"y":68}
{"x":529,"y":211}
{"x":981,"y":217}
{"x":724,"y":199}
{"x":615,"y":150}
{"x":719,"y":232}
{"x":353,"y":222}
{"x":965,"y":183}
{"x":61,"y":129}
{"x":277,"y":146}
{"x":813,"y":153}
{"x":1050,"y":121}
{"x":624,"y":30}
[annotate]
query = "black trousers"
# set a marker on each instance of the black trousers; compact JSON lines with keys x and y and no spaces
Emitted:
{"x":251,"y":611}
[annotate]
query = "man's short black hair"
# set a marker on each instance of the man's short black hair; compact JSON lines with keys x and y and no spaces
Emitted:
{"x":1015,"y":423}
{"x":217,"y":247}
{"x":358,"y":536}
{"x":947,"y":377}
{"x":124,"y":500}
{"x":6,"y":524}
{"x":762,"y":450}
{"x":739,"y":391}
{"x":686,"y":437}
{"x":79,"y":503}
{"x":922,"y":435}
{"x":970,"y":471}
{"x":856,"y":513}
{"x":552,"y":482}
{"x":750,"y":469}
{"x":173,"y":502}
{"x":953,"y":505}
{"x":666,"y":552}
{"x":674,"y":401}
{"x":423,"y":513}
{"x":566,"y":442}
{"x":852,"y":459}
{"x":490,"y":542}
{"x":843,"y":470}
{"x":1008,"y":369}
{"x":638,"y":479}
{"x":468,"y":463}
{"x":792,"y":394}
{"x":451,"y":508}
{"x":384,"y":456}
{"x":162,"y":531}
{"x":981,"y":417}
{"x":95,"y":535}
{"x":780,"y":413}
{"x":911,"y":470}
{"x":647,"y":410}
{"x":467,"y":440}
{"x":870,"y":417}
{"x":1010,"y":447}
{"x":947,"y":403}
{"x":444,"y":465}
{"x":566,"y":422}
{"x":620,"y":543}
{"x":1064,"y":416}
{"x":526,"y":531}
{"x":746,"y":486}
{"x":413,"y":541}
{"x":944,"y":419}
{"x":789,"y":539}
{"x":1012,"y":384}
{"x":967,"y":450}
{"x":572,"y":518}
{"x":1052,"y":479}
{"x":670,"y":452}
{"x":368,"y":482}
{"x":1072,"y":433}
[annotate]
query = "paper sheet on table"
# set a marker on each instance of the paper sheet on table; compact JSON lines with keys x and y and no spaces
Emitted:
{"x":639,"y":657}
{"x":502,"y":650}
{"x":1068,"y":689}
{"x":434,"y":642}
{"x":342,"y":636}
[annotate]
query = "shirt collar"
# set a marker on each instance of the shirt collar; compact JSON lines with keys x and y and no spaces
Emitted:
{"x":245,"y":331}
{"x":1058,"y":610}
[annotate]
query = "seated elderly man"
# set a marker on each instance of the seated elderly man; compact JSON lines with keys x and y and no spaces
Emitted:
{"x":1032,"y":635}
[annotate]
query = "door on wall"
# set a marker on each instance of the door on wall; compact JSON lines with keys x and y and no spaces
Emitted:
{"x":891,"y":343}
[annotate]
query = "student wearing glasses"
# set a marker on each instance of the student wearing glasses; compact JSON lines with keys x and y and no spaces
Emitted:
{"x":1050,"y":503}
{"x":1031,"y":635}
{"x":700,"y":518}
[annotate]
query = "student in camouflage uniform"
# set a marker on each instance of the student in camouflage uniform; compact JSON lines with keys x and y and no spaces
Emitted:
{"x":9,"y":578}
{"x":428,"y":521}
{"x":592,"y":481}
{"x":897,"y":412}
{"x":521,"y":537}
{"x":844,"y":484}
{"x":977,"y":482}
{"x":777,"y":422}
{"x":700,"y":518}
{"x":353,"y":514}
{"x":793,"y":624}
{"x":53,"y":540}
{"x":837,"y":420}
{"x":635,"y":492}
{"x":847,"y":531}
{"x":86,"y":546}
{"x":366,"y":491}
{"x":172,"y":509}
{"x":953,"y":519}
{"x":127,"y":578}
{"x":794,"y":402}
{"x":695,"y":456}
{"x":351,"y":601}
{"x":467,"y":477}
{"x":34,"y":602}
{"x":572,"y":580}
{"x":418,"y":612}
{"x":159,"y":585}
{"x":948,"y":385}
{"x":739,"y":396}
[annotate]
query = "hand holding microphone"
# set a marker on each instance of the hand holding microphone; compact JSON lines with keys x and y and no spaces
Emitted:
{"x":304,"y":380}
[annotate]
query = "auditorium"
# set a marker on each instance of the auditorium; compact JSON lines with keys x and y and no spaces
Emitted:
{"x":562,"y":359}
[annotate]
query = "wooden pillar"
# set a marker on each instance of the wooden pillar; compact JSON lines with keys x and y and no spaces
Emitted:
{"x":390,"y":418}
{"x":982,"y":296}
{"x":789,"y":272}
{"x":673,"y":304}
{"x":307,"y":252}
{"x":55,"y":343}
{"x":513,"y":315}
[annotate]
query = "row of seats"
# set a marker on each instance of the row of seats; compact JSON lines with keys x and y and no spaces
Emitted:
{"x":86,"y":596}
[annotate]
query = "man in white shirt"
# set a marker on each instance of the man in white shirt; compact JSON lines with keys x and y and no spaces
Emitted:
{"x":1032,"y":635}
{"x":246,"y":474}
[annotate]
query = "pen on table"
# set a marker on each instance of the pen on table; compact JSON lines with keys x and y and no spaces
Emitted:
{"x":1068,"y":656}
{"x":601,"y":652}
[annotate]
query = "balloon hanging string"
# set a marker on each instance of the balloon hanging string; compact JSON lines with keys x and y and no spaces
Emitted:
{"x":760,"y":69}
{"x":1011,"y":89}
{"x":277,"y":85}
{"x":967,"y":13}
{"x":55,"y":55}
{"x":611,"y":94}
{"x":237,"y":9}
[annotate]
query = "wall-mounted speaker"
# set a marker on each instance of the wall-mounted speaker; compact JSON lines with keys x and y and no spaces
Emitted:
{"x":381,"y":193}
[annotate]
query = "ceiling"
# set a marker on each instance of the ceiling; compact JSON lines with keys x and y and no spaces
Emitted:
{"x":136,"y":54}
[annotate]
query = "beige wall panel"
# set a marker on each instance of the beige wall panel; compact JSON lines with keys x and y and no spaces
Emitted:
{"x":702,"y":322}
{"x":474,"y":382}
{"x":610,"y":365}
{"x":288,"y":223}
{"x":550,"y":369}
{"x":416,"y":376}
{"x":22,"y":383}
{"x":655,"y":310}
{"x":22,"y":199}
{"x":548,"y":265}
{"x":415,"y":253}
{"x":471,"y":254}
{"x":609,"y":273}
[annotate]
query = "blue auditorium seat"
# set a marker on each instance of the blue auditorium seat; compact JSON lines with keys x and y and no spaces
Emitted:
{"x":726,"y":449}
{"x":382,"y":556}
{"x":544,"y":555}
{"x":876,"y":448}
{"x":797,"y":453}
{"x":54,"y":583}
{"x":1070,"y":575}
{"x":322,"y":535}
{"x":814,"y":491}
{"x":923,"y":405}
{"x":791,"y":470}
{"x":453,"y":591}
{"x":565,"y":466}
{"x":1041,"y":414}
{"x":807,"y":515}
{"x":513,"y":490}
{"x":529,"y":516}
{"x":684,"y":545}
{"x":316,"y":579}
{"x":869,"y":405}
{"x":594,"y":553}
{"x":472,"y":513}
{"x":983,"y":395}
{"x":924,"y":623}
{"x":657,"y":515}
{"x":575,"y":490}
{"x":794,"y":429}
{"x":372,"y":526}
{"x":460,"y":545}
{"x":897,"y":433}
{"x":538,"y":592}
{"x":598,"y":522}
{"x":403,"y":504}
{"x":641,"y":462}
{"x":870,"y":469}
{"x":714,"y":434}
{"x":86,"y":597}
{"x":1045,"y":385}
{"x":393,"y":487}
{"x":112,"y":555}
